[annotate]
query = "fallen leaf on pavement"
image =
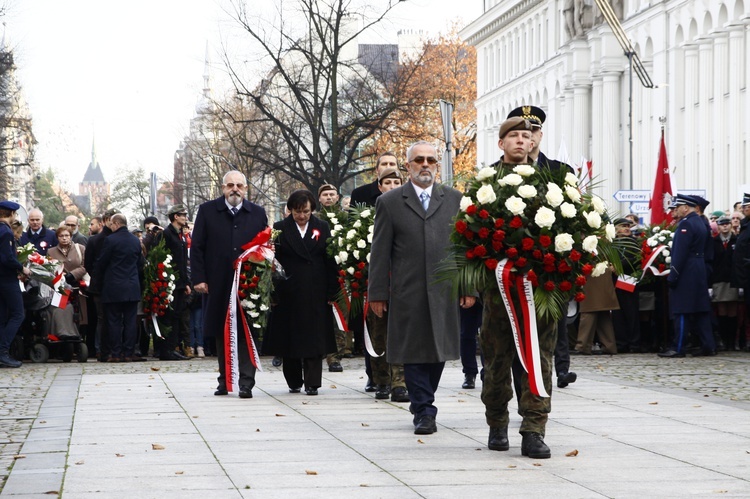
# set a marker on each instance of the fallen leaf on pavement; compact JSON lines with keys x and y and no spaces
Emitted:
{"x":157,"y":447}
{"x":334,"y":386}
{"x":155,"y":368}
{"x":309,"y":472}
{"x":512,"y":466}
{"x":419,"y":440}
{"x":120,"y":455}
{"x":365,"y":424}
{"x":79,"y":462}
{"x":19,"y":456}
{"x":653,"y":403}
{"x":536,"y":464}
{"x":42,"y":422}
{"x":52,"y":493}
{"x":280,"y":415}
{"x":195,"y":417}
{"x":572,"y":453}
{"x":257,"y":430}
{"x":179,"y":472}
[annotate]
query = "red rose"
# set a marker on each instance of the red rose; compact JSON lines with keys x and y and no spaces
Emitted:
{"x":163,"y":294}
{"x":497,"y":245}
{"x":471,"y":210}
{"x":521,"y":262}
{"x":491,"y":263}
{"x":242,"y":294}
{"x":549,"y":259}
{"x":256,"y":278}
{"x":484,"y":213}
{"x":527,"y":243}
{"x":498,"y":235}
{"x":484,"y":233}
{"x":563,"y":267}
{"x":545,"y":241}
{"x":662,"y":267}
{"x":511,"y":252}
{"x":575,"y":255}
{"x":480,"y":251}
{"x":580,"y":281}
{"x":342,"y":273}
{"x":361,"y":265}
{"x":355,"y":294}
{"x":469,"y":235}
{"x":532,"y":277}
{"x":461,"y":226}
{"x":549,"y":286}
{"x":516,"y":223}
{"x":354,"y":285}
{"x":160,"y":266}
{"x":253,"y":285}
{"x":469,"y":254}
{"x":246,"y":265}
{"x":579,"y":297}
{"x":566,"y":286}
{"x":587,"y":269}
{"x":499,"y":223}
{"x":536,"y":254}
{"x":244,"y":285}
{"x":549,"y":267}
{"x":358,"y":275}
{"x":341,"y":280}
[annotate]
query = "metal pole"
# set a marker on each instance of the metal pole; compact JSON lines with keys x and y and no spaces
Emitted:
{"x":630,"y":114}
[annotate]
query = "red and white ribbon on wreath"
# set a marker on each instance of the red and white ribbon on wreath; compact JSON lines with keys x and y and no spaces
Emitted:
{"x":256,"y":251}
{"x":368,"y":341}
{"x":527,"y":341}
{"x":650,"y":263}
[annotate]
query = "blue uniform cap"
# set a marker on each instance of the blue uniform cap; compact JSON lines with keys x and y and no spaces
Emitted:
{"x":9,"y":205}
{"x":681,"y":199}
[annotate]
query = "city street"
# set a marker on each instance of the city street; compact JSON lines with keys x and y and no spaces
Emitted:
{"x":631,"y":426}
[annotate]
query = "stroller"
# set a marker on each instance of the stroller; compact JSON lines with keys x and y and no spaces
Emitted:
{"x":48,"y":330}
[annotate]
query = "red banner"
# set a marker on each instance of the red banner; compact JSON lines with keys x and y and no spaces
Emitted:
{"x":662,"y":195}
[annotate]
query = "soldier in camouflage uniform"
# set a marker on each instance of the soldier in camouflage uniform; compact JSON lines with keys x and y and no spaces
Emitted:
{"x":328,"y":197}
{"x":498,"y":346}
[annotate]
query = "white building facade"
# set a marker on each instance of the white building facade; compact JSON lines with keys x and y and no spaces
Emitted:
{"x":697,"y":53}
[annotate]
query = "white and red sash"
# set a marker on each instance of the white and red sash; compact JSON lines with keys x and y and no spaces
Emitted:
{"x":527,"y":341}
{"x":650,"y":263}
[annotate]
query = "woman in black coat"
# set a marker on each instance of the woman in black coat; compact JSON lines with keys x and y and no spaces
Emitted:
{"x":301,"y":330}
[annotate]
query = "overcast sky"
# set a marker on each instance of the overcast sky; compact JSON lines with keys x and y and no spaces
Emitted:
{"x":130,"y":73}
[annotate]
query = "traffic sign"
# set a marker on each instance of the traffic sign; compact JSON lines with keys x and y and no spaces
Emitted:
{"x":639,"y":208}
{"x":632,"y":196}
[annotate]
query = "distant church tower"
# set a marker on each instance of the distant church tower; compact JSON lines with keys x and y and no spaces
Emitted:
{"x":94,"y":186}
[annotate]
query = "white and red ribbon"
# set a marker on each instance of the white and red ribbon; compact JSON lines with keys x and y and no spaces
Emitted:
{"x":527,"y":341}
{"x":368,"y":341}
{"x":650,"y":263}
{"x":256,"y":250}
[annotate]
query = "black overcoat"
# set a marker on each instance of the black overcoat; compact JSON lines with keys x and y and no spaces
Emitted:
{"x":217,"y":241}
{"x":366,"y":194}
{"x":302,"y":324}
{"x":120,"y":267}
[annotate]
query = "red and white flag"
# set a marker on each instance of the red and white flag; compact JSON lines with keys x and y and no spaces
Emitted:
{"x":59,"y":300}
{"x":585,"y":174}
{"x":662,"y":195}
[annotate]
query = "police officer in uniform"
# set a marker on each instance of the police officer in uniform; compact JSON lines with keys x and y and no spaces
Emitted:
{"x":11,"y":302}
{"x":688,"y":280}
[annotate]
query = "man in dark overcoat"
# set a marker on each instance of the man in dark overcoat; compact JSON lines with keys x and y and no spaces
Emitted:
{"x":688,"y":280}
{"x":120,"y":267}
{"x":410,"y":239}
{"x":222,"y":227}
{"x":37,"y":234}
{"x":94,"y":291}
{"x":741,"y":263}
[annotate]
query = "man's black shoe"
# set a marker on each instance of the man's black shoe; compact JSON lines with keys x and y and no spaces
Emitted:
{"x":425,"y":425}
{"x":311,"y":391}
{"x":335,"y":367}
{"x":565,"y":379}
{"x":671,"y":354}
{"x":469,"y":381}
{"x":172,"y":355}
{"x":276,"y":362}
{"x":399,"y":394}
{"x":370,"y":386}
{"x":294,"y":390}
{"x":705,"y":353}
{"x":221,"y":391}
{"x":498,"y":439}
{"x":246,"y":392}
{"x":382,"y":392}
{"x":533,"y":446}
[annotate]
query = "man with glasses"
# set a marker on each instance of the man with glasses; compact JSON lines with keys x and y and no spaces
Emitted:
{"x":71,"y":222}
{"x":222,"y":227}
{"x":411,"y":238}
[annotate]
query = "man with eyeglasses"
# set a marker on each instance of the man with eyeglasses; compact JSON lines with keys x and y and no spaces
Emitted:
{"x":71,"y":222}
{"x":222,"y":227}
{"x":410,"y":239}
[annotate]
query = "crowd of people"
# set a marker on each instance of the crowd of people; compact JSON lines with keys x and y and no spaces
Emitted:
{"x":414,"y":323}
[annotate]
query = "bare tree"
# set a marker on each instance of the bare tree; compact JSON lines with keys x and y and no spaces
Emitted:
{"x":131,"y":193}
{"x":317,"y":108}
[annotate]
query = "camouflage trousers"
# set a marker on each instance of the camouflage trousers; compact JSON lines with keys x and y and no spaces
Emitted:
{"x":383,"y":373}
{"x":498,"y":346}
{"x":340,"y":346}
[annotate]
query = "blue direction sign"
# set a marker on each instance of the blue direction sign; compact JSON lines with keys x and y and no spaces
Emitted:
{"x":639,"y":208}
{"x":632,"y":196}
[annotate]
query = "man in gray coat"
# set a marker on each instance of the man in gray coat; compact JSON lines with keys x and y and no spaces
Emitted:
{"x":411,"y":237}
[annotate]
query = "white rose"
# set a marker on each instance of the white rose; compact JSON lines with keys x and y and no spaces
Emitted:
{"x":351,"y":234}
{"x":365,"y":213}
{"x":571,"y":179}
{"x":651,"y":241}
{"x":485,"y":173}
{"x":256,"y":325}
{"x":356,"y":254}
{"x":333,"y":232}
{"x":263,"y":308}
{"x":573,"y":194}
{"x":350,"y":270}
{"x":527,"y":191}
{"x":665,"y":252}
{"x":600,"y":268}
{"x":357,"y":224}
{"x":367,"y":258}
{"x":337,"y":227}
{"x":361,"y":244}
{"x":343,"y":256}
{"x":610,"y":232}
{"x":369,"y":238}
{"x":486,"y":194}
{"x":669,"y":244}
{"x":554,"y":195}
{"x":164,"y":275}
{"x":598,"y":204}
{"x":568,"y":210}
{"x":341,"y":242}
{"x":254,"y":297}
{"x":668,"y":259}
{"x":334,"y":221}
{"x":515,"y":205}
{"x":511,"y":179}
{"x":254,"y":314}
{"x":245,"y":304}
{"x":593,"y":219}
{"x":170,"y":298}
{"x":371,"y":229}
{"x":563,"y":242}
{"x":465,"y":203}
{"x":524,"y":170}
{"x":589,"y":244}
{"x":544,"y":217}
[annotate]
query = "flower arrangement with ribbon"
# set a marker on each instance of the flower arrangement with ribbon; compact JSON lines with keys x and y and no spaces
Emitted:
{"x":350,"y":247}
{"x":43,"y":269}
{"x":656,"y":251}
{"x":533,"y":230}
{"x":159,"y":277}
{"x":254,"y":270}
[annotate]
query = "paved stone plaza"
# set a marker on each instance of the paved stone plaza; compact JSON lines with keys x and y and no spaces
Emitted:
{"x":639,"y":426}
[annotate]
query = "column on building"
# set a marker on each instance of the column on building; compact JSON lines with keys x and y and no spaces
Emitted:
{"x":705,"y":92}
{"x":720,"y":125}
{"x":597,"y":136}
{"x":688,"y":177}
{"x":609,"y":160}
{"x":737,"y":59}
